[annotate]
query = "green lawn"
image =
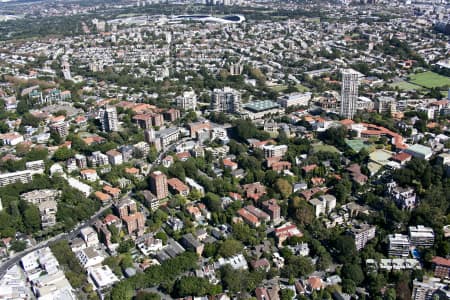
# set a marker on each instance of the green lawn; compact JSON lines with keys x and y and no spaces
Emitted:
{"x":324,"y":148}
{"x":406,"y":86}
{"x":301,"y":88}
{"x":281,"y":87}
{"x":429,"y":79}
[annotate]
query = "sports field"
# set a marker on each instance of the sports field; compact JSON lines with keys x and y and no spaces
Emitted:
{"x":406,"y":86}
{"x":429,"y":79}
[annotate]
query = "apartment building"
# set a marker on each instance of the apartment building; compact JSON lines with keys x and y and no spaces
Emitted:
{"x":158,"y":185}
{"x":362,"y":233}
{"x":108,"y":119}
{"x":60,"y":128}
{"x":98,"y":159}
{"x":428,"y":289}
{"x":273,"y":209}
{"x":39,"y":196}
{"x":187,"y":101}
{"x":178,"y":187}
{"x":421,"y":236}
{"x":295,"y":99}
{"x":274,"y":150}
{"x":398,"y":245}
{"x":19,"y":176}
{"x":226,"y":100}
{"x":114,"y":157}
{"x":441,"y":267}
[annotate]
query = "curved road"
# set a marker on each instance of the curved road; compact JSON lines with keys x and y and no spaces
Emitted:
{"x":4,"y":266}
{"x":62,"y":236}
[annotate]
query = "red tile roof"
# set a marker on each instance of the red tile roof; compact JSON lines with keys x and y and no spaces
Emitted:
{"x":441,"y":261}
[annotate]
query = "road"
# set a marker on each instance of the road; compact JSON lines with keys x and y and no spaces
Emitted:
{"x":62,"y":236}
{"x":4,"y":266}
{"x":172,"y":147}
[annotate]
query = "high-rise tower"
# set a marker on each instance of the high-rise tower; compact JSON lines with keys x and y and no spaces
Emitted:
{"x":349,"y":93}
{"x":108,"y":118}
{"x":158,"y":185}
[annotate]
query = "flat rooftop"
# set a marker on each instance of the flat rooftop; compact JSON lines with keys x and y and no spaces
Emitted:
{"x":258,"y":106}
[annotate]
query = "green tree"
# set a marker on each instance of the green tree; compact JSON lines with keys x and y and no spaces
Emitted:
{"x":348,"y":286}
{"x":283,"y":187}
{"x":18,"y":246}
{"x":353,"y":272}
{"x":122,"y":291}
{"x":63,"y":153}
{"x":345,"y":250}
{"x":125,"y":246}
{"x":32,"y":218}
{"x":195,"y":286}
{"x":304,"y":213}
{"x":212,"y":202}
{"x":230,"y":247}
{"x":4,"y":128}
{"x":142,"y":295}
{"x":162,"y":236}
{"x":287,"y":294}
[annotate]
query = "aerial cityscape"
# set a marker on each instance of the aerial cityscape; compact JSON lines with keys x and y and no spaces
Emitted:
{"x":227,"y":149}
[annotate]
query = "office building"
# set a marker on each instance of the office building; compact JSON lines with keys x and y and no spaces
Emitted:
{"x":158,"y":185}
{"x":349,"y":93}
{"x":398,"y":245}
{"x":421,"y":236}
{"x":187,"y":101}
{"x":108,"y":119}
{"x":226,"y":100}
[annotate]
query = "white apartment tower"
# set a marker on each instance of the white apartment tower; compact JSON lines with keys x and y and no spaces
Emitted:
{"x":108,"y":118}
{"x":187,"y":101}
{"x":349,"y":93}
{"x":66,"y":70}
{"x":226,"y":100}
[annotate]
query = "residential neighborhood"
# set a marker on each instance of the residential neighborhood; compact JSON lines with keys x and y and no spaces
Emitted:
{"x":235,"y":149}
